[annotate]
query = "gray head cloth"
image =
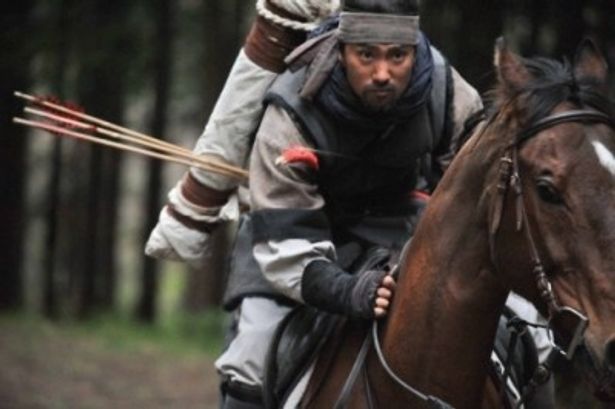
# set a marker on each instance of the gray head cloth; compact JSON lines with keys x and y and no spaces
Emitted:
{"x":378,"y":28}
{"x":355,"y":27}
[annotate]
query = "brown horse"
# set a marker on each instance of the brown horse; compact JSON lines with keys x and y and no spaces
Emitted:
{"x":527,"y":205}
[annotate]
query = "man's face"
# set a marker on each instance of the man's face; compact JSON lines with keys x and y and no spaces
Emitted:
{"x":378,"y":73}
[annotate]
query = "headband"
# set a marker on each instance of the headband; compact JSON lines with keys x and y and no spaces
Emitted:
{"x":378,"y":28}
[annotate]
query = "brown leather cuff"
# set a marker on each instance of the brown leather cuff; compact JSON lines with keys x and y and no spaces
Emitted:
{"x":268,"y":43}
{"x":201,"y":195}
{"x":204,"y":227}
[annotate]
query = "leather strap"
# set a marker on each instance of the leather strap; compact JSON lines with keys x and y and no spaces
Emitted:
{"x":342,"y":400}
{"x":517,"y":327}
{"x":201,"y":195}
{"x":203,"y":227}
{"x":577,"y":115}
{"x":268,"y":44}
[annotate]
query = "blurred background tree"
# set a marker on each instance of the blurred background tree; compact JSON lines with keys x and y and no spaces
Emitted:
{"x":76,"y":216}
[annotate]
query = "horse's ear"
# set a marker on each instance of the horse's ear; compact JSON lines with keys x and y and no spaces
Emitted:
{"x":509,"y":67}
{"x":589,"y":64}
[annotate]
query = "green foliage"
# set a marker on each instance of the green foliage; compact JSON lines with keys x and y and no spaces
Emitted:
{"x":179,"y":334}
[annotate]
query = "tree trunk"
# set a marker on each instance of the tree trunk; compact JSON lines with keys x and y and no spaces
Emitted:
{"x":165,"y":15}
{"x":102,"y":87}
{"x":538,"y":17}
{"x":440,"y":20}
{"x":478,"y":23}
{"x":49,"y":265}
{"x":15,"y":56}
{"x":570,"y":26}
{"x":220,"y":47}
{"x":485,"y":20}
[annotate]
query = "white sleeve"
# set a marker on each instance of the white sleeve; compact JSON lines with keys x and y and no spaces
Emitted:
{"x":283,"y":262}
{"x":234,"y":119}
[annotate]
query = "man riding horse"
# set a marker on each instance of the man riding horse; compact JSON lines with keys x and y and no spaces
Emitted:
{"x":374,"y":111}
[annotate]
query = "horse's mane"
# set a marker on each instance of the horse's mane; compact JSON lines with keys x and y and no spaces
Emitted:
{"x":552,"y":83}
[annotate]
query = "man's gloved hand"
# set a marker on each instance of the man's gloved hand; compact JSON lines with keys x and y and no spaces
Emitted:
{"x":372,"y":293}
{"x":326,"y":286}
{"x":384,"y":295}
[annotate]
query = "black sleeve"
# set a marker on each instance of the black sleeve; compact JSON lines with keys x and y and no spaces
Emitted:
{"x":328,"y":287}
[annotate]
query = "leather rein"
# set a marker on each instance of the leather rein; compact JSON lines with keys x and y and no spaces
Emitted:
{"x":509,"y":179}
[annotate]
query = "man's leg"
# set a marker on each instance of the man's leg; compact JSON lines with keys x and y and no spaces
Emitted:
{"x":544,"y":396}
{"x":242,"y":364}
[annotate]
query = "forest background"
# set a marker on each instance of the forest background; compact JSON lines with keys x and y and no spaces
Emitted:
{"x":76,"y":216}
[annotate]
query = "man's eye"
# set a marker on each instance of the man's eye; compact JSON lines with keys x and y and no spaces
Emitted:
{"x":399,"y":55}
{"x":365,"y":54}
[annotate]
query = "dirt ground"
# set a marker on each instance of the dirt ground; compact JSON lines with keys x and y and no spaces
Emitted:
{"x":50,"y":368}
{"x":47,"y":366}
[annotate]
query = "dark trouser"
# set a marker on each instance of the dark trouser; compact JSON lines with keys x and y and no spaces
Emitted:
{"x":237,"y":395}
{"x":544,"y":396}
{"x":233,"y":403}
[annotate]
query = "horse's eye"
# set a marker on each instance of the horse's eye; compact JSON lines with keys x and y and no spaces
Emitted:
{"x":548,"y":192}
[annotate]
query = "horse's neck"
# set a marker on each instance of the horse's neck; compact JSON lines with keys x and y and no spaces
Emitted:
{"x":441,"y":329}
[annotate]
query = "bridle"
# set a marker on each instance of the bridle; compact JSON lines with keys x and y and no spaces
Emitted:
{"x":568,"y":324}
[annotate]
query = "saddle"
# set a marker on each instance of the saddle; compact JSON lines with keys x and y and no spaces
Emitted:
{"x":301,"y":335}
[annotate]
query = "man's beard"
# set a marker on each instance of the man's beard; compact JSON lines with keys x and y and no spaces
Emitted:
{"x":379,"y":98}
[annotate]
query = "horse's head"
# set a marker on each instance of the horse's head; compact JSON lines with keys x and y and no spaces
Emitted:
{"x":555,"y":200}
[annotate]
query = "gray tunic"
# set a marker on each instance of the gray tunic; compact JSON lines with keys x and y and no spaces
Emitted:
{"x":275,"y":186}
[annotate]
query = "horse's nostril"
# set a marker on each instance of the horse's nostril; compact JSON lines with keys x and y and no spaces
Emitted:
{"x":610,"y":353}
